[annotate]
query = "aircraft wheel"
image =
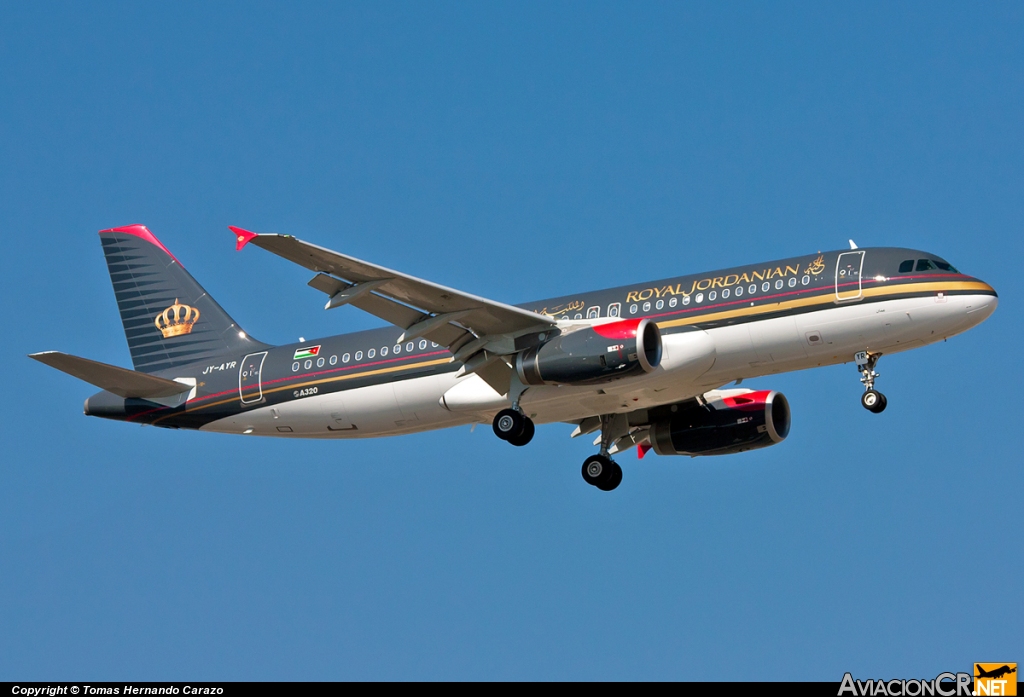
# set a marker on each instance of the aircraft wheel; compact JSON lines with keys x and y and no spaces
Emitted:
{"x":882,"y":404}
{"x":614,"y":478}
{"x":527,"y":435}
{"x":874,"y":401}
{"x":602,"y":472}
{"x":509,"y":424}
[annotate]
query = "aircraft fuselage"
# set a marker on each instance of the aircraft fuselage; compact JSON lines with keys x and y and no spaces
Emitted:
{"x":738,"y":323}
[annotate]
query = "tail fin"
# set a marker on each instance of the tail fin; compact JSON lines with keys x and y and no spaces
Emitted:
{"x":169,"y":320}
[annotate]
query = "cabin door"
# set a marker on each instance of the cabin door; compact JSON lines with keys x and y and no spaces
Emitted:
{"x":848,"y":276}
{"x":250,"y":378}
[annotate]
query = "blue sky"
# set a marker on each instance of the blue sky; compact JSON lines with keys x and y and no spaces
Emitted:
{"x":515,"y":151}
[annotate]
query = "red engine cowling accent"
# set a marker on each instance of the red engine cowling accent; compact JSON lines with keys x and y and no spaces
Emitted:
{"x":726,"y":425}
{"x":593,"y":354}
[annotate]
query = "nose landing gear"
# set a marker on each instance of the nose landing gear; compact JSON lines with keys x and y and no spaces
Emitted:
{"x":872,"y":400}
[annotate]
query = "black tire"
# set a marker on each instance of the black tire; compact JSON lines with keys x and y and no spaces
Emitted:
{"x":508,"y":424}
{"x":526,"y":436}
{"x":595,"y":469}
{"x":871,"y":399}
{"x":882,"y":404}
{"x":614,"y":478}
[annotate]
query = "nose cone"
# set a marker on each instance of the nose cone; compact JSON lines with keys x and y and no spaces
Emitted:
{"x":983,"y":304}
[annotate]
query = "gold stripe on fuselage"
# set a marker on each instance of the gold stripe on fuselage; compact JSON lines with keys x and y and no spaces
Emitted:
{"x":320,"y":381}
{"x":826,"y":298}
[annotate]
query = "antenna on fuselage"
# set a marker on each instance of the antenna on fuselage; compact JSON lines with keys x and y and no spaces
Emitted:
{"x":853,"y":245}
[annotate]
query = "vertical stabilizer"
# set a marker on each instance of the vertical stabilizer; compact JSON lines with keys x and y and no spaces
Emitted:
{"x":169,"y":320}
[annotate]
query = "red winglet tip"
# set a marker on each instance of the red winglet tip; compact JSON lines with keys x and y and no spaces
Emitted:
{"x":242,"y":237}
{"x":642,"y":449}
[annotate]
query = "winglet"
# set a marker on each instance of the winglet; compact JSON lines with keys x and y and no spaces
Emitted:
{"x":242,"y":237}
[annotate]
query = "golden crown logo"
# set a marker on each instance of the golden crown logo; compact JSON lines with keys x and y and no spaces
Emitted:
{"x":177,"y":320}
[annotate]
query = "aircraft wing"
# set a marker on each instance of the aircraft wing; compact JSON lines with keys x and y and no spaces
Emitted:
{"x":424,"y":309}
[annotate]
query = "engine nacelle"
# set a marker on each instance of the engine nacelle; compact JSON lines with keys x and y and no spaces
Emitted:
{"x":729,"y":424}
{"x":593,"y":354}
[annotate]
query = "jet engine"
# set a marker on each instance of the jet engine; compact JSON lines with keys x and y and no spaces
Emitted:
{"x":731,"y":423}
{"x":593,"y":354}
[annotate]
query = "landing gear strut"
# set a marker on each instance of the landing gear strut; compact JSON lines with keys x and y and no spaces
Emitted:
{"x":872,"y":400}
{"x":600,"y":470}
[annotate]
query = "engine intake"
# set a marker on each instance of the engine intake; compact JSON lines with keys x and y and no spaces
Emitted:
{"x":730,"y":424}
{"x":594,"y":354}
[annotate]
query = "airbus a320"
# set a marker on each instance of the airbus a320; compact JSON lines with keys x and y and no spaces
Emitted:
{"x":644,"y":365}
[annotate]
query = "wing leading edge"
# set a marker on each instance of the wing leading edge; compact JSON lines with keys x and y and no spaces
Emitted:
{"x":477,"y":330}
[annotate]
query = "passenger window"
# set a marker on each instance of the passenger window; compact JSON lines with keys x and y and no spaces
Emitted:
{"x":925,"y":265}
{"x":593,"y":312}
{"x":346,"y":358}
{"x":409,"y":347}
{"x":632,"y":309}
{"x":359,"y":355}
{"x":384,"y":350}
{"x":907,"y":266}
{"x":660,"y":304}
{"x":672,"y":302}
{"x":613,"y":309}
{"x":647,"y":307}
{"x":334,"y":360}
{"x":371,"y":353}
{"x":423,"y":344}
{"x":397,"y":349}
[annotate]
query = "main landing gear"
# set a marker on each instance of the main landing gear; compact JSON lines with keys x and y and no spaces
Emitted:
{"x":600,"y":470}
{"x":872,"y":400}
{"x":513,"y":426}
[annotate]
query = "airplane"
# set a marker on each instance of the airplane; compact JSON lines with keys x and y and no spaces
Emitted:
{"x":646,"y":365}
{"x":995,"y":673}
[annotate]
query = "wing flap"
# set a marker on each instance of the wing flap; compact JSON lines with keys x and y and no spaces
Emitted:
{"x":399,"y":298}
{"x":120,"y":381}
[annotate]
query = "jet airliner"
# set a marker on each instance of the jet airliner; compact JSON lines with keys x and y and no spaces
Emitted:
{"x":646,"y":365}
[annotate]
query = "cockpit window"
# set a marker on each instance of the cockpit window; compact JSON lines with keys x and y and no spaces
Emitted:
{"x":944,"y":266}
{"x":907,"y":266}
{"x":925,"y":265}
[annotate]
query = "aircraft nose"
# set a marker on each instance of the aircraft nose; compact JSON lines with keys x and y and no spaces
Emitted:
{"x":984,"y":303}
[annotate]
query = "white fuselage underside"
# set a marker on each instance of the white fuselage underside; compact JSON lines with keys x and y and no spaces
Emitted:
{"x":693,"y":363}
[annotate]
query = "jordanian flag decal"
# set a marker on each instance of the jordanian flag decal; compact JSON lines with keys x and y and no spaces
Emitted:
{"x":308,"y":352}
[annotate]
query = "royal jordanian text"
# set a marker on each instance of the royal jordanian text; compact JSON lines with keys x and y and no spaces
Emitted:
{"x":944,"y":685}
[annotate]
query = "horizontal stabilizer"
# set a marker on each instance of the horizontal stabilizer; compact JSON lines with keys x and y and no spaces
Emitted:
{"x":121,"y":381}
